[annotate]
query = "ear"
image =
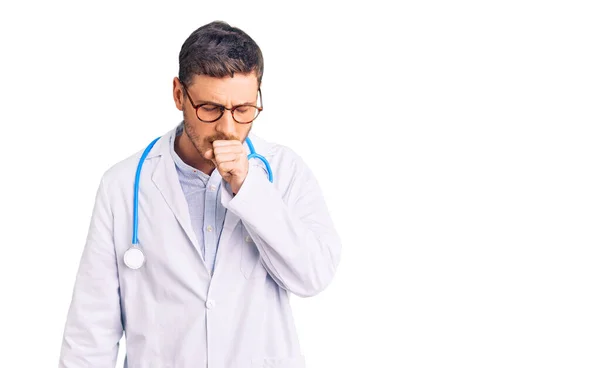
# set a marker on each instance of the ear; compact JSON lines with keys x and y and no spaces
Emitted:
{"x":178,"y":94}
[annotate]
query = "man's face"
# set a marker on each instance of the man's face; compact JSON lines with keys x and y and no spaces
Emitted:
{"x":227,"y":91}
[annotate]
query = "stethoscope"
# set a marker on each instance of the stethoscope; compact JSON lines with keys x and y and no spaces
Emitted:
{"x":134,"y":257}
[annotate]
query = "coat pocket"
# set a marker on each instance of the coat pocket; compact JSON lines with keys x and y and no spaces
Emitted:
{"x":250,"y":265}
{"x":274,"y":362}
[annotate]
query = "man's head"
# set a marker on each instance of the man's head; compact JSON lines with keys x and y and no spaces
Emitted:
{"x":220,"y":67}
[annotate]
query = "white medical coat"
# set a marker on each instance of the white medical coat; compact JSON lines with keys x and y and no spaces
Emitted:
{"x":278,"y":238}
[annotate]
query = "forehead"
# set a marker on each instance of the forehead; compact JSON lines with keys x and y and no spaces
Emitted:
{"x":239,"y":89}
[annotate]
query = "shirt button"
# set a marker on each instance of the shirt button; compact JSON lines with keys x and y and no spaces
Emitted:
{"x":209,"y":228}
{"x":210,"y":304}
{"x":248,"y":239}
{"x":213,"y":188}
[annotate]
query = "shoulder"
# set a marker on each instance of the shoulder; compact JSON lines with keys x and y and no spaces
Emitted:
{"x":275,"y":152}
{"x":123,"y":171}
{"x":289,"y":168}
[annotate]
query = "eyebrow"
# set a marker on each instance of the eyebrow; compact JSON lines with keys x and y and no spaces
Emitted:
{"x":200,"y":102}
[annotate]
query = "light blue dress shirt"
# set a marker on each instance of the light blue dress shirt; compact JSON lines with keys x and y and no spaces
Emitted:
{"x":202,"y":193}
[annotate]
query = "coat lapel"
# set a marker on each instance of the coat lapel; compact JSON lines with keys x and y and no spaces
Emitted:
{"x":231,"y":219}
{"x":167,"y":181}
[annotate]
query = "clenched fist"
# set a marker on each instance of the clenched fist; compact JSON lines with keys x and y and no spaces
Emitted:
{"x":229,"y":157}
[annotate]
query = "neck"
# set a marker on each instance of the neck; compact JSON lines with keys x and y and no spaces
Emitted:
{"x":188,"y":153}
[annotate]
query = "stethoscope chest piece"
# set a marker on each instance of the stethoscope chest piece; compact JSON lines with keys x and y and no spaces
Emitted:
{"x":134,"y":258}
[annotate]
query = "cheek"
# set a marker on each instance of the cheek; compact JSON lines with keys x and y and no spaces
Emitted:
{"x":201,"y":130}
{"x":242,"y":130}
{"x":189,"y":115}
{"x":198,"y":133}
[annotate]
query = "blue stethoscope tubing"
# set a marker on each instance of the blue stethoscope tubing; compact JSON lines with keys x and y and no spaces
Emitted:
{"x":134,"y":258}
{"x":136,"y":191}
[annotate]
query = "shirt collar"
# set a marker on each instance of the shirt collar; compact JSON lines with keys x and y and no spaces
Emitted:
{"x":185,"y":169}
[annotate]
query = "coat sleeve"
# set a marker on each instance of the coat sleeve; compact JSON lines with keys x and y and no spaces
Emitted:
{"x":296,"y":238}
{"x":94,"y":327}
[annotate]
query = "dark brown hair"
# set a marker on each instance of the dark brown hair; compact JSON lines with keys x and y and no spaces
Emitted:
{"x":219,"y":50}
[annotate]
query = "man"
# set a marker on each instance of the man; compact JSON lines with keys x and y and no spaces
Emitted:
{"x":221,"y":246}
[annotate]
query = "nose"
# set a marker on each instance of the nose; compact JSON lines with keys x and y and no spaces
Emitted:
{"x":226,"y":124}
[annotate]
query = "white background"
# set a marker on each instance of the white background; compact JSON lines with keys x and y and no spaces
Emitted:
{"x":456,"y":144}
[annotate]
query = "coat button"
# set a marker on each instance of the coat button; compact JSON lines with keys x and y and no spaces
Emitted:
{"x":248,"y":239}
{"x":210,"y":304}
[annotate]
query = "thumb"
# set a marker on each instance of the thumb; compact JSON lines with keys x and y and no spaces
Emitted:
{"x":208,"y":154}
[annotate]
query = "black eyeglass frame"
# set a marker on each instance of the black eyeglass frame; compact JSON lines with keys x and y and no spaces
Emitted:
{"x":223,"y":108}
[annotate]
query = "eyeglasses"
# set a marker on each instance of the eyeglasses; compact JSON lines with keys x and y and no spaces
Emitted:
{"x":209,"y":112}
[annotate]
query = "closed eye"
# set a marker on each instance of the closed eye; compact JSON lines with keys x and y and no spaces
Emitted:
{"x":209,"y":108}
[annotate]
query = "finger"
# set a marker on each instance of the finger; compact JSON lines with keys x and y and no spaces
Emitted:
{"x":210,"y":156}
{"x":218,"y":154}
{"x":227,"y":167}
{"x":224,"y":174}
{"x":226,"y":157}
{"x":237,"y":148}
{"x":223,"y":143}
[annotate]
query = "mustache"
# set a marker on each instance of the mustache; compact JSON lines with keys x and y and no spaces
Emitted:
{"x":222,"y":136}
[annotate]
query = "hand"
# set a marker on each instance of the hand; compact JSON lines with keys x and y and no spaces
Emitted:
{"x":229,"y":157}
